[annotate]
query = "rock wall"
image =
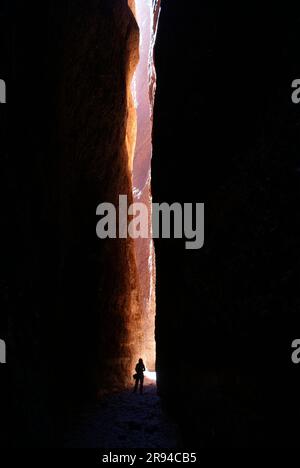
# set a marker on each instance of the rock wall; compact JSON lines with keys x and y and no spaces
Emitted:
{"x":143,"y":89}
{"x":72,"y":306}
{"x":227,"y":134}
{"x":98,"y":138}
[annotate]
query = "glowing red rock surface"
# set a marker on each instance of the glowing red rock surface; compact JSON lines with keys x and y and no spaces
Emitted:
{"x":143,"y":90}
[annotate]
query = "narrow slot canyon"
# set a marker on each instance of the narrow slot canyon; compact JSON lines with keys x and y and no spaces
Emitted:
{"x":124,"y":420}
{"x":143,"y":90}
{"x":131,"y":97}
{"x":90,"y":304}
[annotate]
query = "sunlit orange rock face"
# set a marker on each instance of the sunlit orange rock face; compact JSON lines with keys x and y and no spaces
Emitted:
{"x":82,"y":305}
{"x":143,"y":90}
{"x":128,"y":285}
{"x":106,"y":141}
{"x":102,"y":155}
{"x":106,"y":144}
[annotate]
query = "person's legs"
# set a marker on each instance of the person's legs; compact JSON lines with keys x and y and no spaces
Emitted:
{"x":136,"y":385}
{"x":141,"y":384}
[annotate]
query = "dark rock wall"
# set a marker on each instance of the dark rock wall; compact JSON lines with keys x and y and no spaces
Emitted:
{"x":227,"y":134}
{"x":226,"y":314}
{"x":72,"y":312}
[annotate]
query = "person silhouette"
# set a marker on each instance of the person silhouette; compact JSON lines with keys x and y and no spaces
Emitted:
{"x":139,"y":376}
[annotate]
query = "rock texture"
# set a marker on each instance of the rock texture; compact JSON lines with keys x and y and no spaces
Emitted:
{"x":143,"y":88}
{"x":228,"y":135}
{"x":73,"y":305}
{"x":98,"y":136}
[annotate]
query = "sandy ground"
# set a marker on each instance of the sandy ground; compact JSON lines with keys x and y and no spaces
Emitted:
{"x":124,"y":420}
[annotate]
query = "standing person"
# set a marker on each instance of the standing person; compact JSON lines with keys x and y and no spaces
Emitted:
{"x":139,"y":376}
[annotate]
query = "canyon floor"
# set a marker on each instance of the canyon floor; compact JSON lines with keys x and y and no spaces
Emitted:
{"x":124,"y":420}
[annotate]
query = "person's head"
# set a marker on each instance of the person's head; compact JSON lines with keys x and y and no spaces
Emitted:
{"x":141,"y":361}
